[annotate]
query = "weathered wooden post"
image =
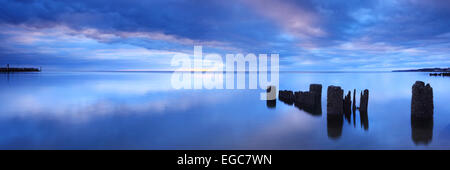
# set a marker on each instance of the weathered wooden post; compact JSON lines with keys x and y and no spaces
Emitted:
{"x":334,"y":100}
{"x":422,"y":113}
{"x":309,"y":101}
{"x":347,"y":103}
{"x":316,"y":89}
{"x":364,"y":101}
{"x":335,"y":110}
{"x":347,"y":106}
{"x":304,"y":99}
{"x":354,"y":101}
{"x":363,"y":105}
{"x":271,"y":97}
{"x":422,"y":100}
{"x":286,"y":96}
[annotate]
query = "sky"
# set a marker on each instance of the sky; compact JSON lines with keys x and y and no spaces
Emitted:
{"x":308,"y":35}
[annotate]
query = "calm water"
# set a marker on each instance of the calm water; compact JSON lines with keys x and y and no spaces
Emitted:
{"x":91,"y":110}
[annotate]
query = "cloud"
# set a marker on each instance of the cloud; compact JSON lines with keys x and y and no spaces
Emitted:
{"x":295,"y":19}
{"x":308,"y":34}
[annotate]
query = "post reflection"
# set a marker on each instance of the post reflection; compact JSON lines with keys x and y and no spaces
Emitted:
{"x":315,"y":110}
{"x":334,"y":126}
{"x":364,"y":119}
{"x":271,"y":104}
{"x":421,"y":130}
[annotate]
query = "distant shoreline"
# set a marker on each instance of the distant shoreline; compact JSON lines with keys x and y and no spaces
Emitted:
{"x":425,"y":70}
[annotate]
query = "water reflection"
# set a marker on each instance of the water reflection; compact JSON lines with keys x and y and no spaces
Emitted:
{"x":364,"y":118}
{"x":334,"y":126}
{"x":348,"y":117}
{"x":316,"y":110}
{"x":271,"y":104}
{"x":335,"y":122}
{"x":421,"y":130}
{"x":99,"y":110}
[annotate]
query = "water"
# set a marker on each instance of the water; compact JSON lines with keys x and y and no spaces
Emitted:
{"x":114,"y":110}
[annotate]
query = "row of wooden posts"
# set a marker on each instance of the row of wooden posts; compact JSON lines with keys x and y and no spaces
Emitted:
{"x":337,"y":103}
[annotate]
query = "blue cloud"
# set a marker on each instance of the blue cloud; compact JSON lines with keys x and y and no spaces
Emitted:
{"x":308,"y":34}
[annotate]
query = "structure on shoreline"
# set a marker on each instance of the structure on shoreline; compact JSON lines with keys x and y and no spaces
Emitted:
{"x":440,"y":74}
{"x":8,"y":69}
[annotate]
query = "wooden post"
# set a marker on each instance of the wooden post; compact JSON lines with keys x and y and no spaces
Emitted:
{"x":422,"y":100}
{"x":354,"y":100}
{"x":334,"y":100}
{"x":364,"y":101}
{"x":271,"y":100}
